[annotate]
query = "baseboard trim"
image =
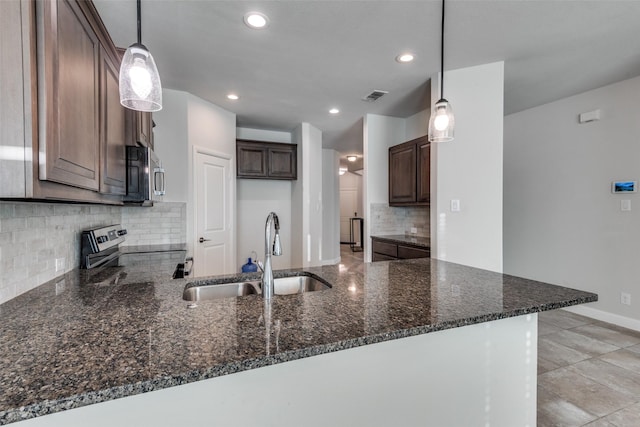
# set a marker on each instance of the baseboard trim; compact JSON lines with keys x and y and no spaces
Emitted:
{"x":604,"y":316}
{"x":331,"y":261}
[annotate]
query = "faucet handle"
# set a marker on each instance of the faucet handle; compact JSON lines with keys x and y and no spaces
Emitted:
{"x":260,"y":265}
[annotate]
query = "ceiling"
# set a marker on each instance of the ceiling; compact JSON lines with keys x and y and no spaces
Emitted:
{"x":315,"y":55}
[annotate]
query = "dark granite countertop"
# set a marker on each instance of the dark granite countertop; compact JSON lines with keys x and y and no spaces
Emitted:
{"x":83,"y":339}
{"x":418,"y":241}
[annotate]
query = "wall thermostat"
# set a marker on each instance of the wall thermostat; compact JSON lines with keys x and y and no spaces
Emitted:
{"x":624,"y":187}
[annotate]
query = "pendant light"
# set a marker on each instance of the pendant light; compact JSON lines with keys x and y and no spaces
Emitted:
{"x":441,"y":122}
{"x":140,"y":87}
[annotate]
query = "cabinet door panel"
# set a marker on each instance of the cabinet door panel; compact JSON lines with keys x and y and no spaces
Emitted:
{"x":112,"y":138}
{"x":71,"y":86}
{"x":385,"y":248}
{"x":424,"y":172}
{"x":402,"y":174}
{"x":282,"y":163}
{"x":408,"y":252}
{"x":380,"y":257}
{"x":251,"y":161}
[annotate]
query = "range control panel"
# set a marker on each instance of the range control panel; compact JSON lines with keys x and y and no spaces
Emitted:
{"x":100,"y":239}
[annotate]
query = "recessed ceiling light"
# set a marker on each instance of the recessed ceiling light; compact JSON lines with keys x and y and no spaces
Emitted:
{"x":233,"y":96}
{"x":334,"y":111}
{"x":352,"y":158}
{"x":256,"y":20}
{"x":405,"y":57}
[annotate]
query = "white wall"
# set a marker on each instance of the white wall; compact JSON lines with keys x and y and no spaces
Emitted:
{"x":562,"y":224}
{"x":379,"y":133}
{"x":469,"y":169}
{"x":256,"y":198}
{"x":171,"y":136}
{"x":330,"y":207}
{"x":306,"y":198}
{"x":417,"y":125}
{"x":263,"y":135}
{"x":297,"y":192}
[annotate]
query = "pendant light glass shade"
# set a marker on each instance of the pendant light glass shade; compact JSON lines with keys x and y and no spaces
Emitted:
{"x":441,"y":122}
{"x":140,"y":87}
{"x":139,"y":81}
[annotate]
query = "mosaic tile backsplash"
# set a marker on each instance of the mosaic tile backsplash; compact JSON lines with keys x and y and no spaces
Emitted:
{"x":34,"y":235}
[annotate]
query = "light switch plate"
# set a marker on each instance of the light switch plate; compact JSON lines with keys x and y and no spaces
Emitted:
{"x":455,"y":205}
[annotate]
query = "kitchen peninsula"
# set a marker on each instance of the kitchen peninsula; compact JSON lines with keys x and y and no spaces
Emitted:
{"x":402,"y":342}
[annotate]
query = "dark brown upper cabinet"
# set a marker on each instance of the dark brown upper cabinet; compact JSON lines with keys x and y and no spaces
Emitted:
{"x":266,"y":160}
{"x":71,"y":86}
{"x":409,"y":173}
{"x":62,"y":104}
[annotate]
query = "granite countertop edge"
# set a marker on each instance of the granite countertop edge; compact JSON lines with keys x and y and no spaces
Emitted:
{"x":76,"y":401}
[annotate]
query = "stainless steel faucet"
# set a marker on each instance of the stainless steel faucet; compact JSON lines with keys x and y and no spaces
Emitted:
{"x":267,"y":272}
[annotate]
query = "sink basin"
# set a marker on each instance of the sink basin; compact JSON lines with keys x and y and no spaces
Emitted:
{"x":226,"y":290}
{"x":297,"y":285}
{"x":282,"y":286}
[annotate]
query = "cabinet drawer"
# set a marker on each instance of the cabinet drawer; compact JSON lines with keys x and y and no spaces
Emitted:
{"x":385,"y":248}
{"x":380,"y":257}
{"x":407,"y":252}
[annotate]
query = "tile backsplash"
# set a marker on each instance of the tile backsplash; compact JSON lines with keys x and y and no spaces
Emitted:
{"x":392,"y":220}
{"x":34,"y":235}
{"x":163,"y":223}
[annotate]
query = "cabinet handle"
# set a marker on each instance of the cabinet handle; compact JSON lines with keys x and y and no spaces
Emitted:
{"x":202,"y":240}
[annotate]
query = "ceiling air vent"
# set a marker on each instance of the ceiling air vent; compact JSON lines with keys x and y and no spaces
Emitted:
{"x":375,"y":95}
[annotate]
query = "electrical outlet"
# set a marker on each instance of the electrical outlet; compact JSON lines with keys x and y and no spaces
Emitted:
{"x":625,"y":298}
{"x":414,"y":230}
{"x":625,"y":205}
{"x":59,"y":264}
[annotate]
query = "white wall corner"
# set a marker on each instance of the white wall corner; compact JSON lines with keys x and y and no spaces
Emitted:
{"x":469,"y":169}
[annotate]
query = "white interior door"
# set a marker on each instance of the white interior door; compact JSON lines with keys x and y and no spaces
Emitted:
{"x":348,"y":207}
{"x":213,"y":249}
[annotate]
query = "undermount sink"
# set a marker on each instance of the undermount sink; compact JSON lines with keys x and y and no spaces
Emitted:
{"x":282,"y":286}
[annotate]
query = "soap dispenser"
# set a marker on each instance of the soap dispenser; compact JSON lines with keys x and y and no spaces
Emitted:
{"x":249,"y":267}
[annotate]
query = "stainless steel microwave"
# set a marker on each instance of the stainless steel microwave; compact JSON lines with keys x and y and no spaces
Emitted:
{"x":145,"y":176}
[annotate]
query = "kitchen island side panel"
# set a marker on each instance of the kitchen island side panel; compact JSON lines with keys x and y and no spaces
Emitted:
{"x":482,"y":374}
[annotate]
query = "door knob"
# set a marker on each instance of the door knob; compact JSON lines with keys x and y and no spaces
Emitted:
{"x":202,"y":240}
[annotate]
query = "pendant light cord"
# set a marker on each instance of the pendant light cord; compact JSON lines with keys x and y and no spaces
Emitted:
{"x":140,"y":24}
{"x":441,"y":53}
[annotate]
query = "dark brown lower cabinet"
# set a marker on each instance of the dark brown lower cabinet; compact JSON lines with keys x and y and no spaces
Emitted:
{"x":387,"y":251}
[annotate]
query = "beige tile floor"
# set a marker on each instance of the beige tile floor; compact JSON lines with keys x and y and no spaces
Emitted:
{"x":588,"y":371}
